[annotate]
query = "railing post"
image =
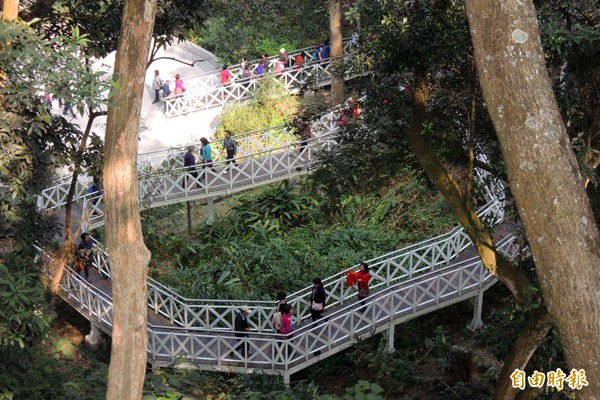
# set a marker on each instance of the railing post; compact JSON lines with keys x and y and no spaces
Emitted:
{"x":477,"y":322}
{"x":389,"y":347}
{"x":210,"y":209}
{"x":93,"y":340}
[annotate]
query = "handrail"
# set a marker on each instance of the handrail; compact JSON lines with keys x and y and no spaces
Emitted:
{"x":253,"y":63}
{"x":54,"y":197}
{"x":309,"y":343}
{"x":205,"y":95}
{"x":442,"y":249}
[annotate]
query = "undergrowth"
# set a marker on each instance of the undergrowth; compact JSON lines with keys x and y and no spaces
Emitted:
{"x":281,"y":237}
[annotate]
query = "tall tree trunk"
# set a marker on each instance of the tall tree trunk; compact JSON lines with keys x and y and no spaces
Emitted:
{"x":337,"y":52}
{"x":539,"y":321}
{"x":10,"y":10}
{"x":69,"y":236}
{"x":537,"y":327}
{"x":129,"y":256}
{"x":543,"y":174}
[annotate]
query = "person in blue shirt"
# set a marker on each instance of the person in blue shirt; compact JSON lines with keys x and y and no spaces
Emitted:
{"x":206,"y":153}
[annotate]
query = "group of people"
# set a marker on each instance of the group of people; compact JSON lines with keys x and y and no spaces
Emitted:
{"x":321,"y":54}
{"x":283,"y":322}
{"x":189,"y":159}
{"x":165,"y":86}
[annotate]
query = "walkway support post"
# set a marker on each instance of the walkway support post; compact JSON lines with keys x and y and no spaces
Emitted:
{"x":93,"y":340}
{"x":210,"y":209}
{"x":286,"y":379}
{"x":189,"y":217}
{"x":477,"y":322}
{"x":389,"y":348}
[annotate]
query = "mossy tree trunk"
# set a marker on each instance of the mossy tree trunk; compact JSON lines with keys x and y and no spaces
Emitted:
{"x":539,"y":322}
{"x":129,"y":256}
{"x":543,"y":174}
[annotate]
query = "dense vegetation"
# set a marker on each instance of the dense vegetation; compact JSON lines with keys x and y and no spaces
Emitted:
{"x":283,"y":236}
{"x":238,"y":29}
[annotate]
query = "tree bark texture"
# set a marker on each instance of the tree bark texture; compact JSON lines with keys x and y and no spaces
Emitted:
{"x":10,"y":10}
{"x":337,"y":52}
{"x":514,"y":279}
{"x":537,"y":327}
{"x":538,"y":322}
{"x":129,"y":256}
{"x":543,"y":174}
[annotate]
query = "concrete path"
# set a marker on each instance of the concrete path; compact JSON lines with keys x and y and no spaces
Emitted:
{"x":156,"y":131}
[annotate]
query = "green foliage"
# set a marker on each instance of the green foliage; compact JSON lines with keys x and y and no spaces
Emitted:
{"x":101,"y":20}
{"x":34,"y":142}
{"x":270,"y":106}
{"x":237,"y":29}
{"x":23,"y":317}
{"x":286,"y":206}
{"x":363,"y":390}
{"x":281,"y":237}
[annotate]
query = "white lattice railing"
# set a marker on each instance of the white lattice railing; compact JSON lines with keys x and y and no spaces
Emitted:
{"x":385,"y":270}
{"x":312,"y":341}
{"x":250,"y":145}
{"x":212,"y":79}
{"x":208,"y":93}
{"x":197,"y":99}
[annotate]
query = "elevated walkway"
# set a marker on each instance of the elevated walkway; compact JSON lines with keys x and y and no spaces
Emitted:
{"x":197,"y":333}
{"x":205,"y":91}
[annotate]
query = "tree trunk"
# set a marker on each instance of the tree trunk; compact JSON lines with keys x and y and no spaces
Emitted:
{"x":543,"y":174}
{"x":539,"y":321}
{"x":73,"y":186}
{"x":507,"y":272}
{"x":129,"y":256}
{"x":537,"y":327}
{"x":10,"y":10}
{"x":337,"y":52}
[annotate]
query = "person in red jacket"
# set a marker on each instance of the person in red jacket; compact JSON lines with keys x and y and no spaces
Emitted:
{"x":361,"y":279}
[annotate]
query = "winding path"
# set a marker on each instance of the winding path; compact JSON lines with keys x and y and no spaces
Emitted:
{"x":197,"y":333}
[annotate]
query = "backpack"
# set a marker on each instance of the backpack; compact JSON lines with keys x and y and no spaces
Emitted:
{"x":277,"y":320}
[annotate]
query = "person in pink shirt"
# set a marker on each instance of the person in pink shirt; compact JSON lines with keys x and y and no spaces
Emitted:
{"x":179,"y":88}
{"x":279,"y":67}
{"x":286,"y":320}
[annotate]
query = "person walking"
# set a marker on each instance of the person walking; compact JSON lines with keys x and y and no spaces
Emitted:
{"x":325,"y":50}
{"x":157,"y":85}
{"x":360,"y":278}
{"x":166,"y":88}
{"x":189,"y":163}
{"x":68,"y":107}
{"x":318,"y":298}
{"x":226,"y":81}
{"x":263,"y":65}
{"x":179,"y":88}
{"x":85,"y":254}
{"x":241,"y":327}
{"x":299,"y":61}
{"x":284,"y":57}
{"x":231,"y":147}
{"x":206,"y":153}
{"x":281,"y":303}
{"x":286,"y":320}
